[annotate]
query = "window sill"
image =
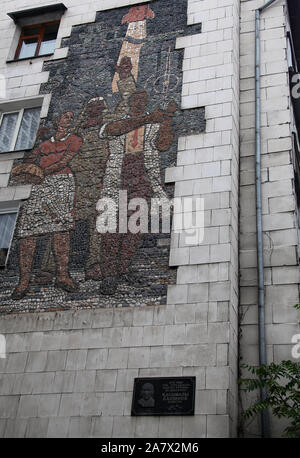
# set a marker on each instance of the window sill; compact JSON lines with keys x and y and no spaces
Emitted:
{"x":29,"y":58}
{"x":16,"y":151}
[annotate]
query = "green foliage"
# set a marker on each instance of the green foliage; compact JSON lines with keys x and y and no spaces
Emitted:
{"x":282,"y":382}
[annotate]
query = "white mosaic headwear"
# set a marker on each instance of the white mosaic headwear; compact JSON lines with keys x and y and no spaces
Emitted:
{"x":95,"y":99}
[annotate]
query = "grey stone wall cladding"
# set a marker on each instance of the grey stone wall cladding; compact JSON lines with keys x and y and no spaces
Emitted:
{"x":72,"y":376}
{"x":278,"y":197}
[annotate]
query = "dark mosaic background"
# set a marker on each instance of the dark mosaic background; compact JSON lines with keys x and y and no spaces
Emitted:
{"x":88,"y":72}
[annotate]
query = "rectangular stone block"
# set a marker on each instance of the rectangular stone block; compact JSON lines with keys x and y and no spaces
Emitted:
{"x":146,"y":427}
{"x":15,"y":363}
{"x":222,"y":355}
{"x":9,"y":406}
{"x":85,"y":381}
{"x":91,"y":404}
{"x":125,"y":379}
{"x":199,"y":255}
{"x":219,"y":291}
{"x":132,"y":337}
{"x":70,"y":405}
{"x":218,"y":332}
{"x":36,"y":361}
{"x":113,"y":404}
{"x":198,"y":292}
{"x":205,"y":355}
{"x":48,"y":405}
{"x":80,"y":427}
{"x":139,"y":357}
{"x":106,"y":380}
{"x":7,"y":383}
{"x":102,"y":318}
{"x":196,"y":333}
{"x":170,"y":427}
{"x":122,"y":317}
{"x":76,"y":359}
{"x":177,"y":294}
{"x":56,"y":360}
{"x":220,"y":252}
{"x":64,"y":382}
{"x":96,"y":358}
{"x":82,"y":319}
{"x":117,"y":358}
{"x":206,"y":402}
{"x":217,"y":426}
{"x":143,"y":316}
{"x":217,"y":378}
{"x":194,"y":426}
{"x":111,"y":337}
{"x":185,"y":313}
{"x":51,"y":340}
{"x":63,"y":320}
{"x":124,"y":426}
{"x":161,"y":356}
{"x":28,"y":406}
{"x":179,"y":256}
{"x":15,"y":428}
{"x":37,"y":427}
{"x":153,"y":335}
{"x":102,"y":427}
{"x":58,"y":427}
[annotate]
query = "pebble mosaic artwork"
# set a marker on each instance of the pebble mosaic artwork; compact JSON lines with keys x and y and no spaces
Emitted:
{"x":113,"y":124}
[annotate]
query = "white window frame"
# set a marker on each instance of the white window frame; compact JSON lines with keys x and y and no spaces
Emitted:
{"x":9,"y":208}
{"x":17,"y":127}
{"x":18,"y":106}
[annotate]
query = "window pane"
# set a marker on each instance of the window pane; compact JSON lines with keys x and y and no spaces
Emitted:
{"x":51,"y":31}
{"x":28,"y":48}
{"x":28,"y":129}
{"x":49,"y":40}
{"x":7,"y":224}
{"x":3,"y":256}
{"x":7,"y":130}
{"x":27,"y":31}
{"x":47,"y":47}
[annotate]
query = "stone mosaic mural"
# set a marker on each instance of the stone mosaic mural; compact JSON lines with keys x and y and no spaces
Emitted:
{"x":112,"y":126}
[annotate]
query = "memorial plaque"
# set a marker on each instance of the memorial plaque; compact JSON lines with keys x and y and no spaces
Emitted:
{"x":164,"y":396}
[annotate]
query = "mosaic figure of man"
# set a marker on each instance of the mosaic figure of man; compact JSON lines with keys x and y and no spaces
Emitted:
{"x":133,"y":165}
{"x":90,"y":163}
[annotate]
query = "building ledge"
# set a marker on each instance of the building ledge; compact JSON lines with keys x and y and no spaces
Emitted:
{"x":16,"y":16}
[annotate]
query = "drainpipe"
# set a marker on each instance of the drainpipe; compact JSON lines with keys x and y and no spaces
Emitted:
{"x":260,"y":262}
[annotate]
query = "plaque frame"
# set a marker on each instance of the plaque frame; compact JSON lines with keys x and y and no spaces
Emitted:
{"x":158,"y":400}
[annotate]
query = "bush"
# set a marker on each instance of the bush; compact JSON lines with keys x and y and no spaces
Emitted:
{"x":282,"y":383}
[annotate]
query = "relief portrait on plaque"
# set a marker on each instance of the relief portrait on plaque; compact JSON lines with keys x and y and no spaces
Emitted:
{"x":146,"y":395}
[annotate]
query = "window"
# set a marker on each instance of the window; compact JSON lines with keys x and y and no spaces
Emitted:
{"x":37,"y":40}
{"x":8,"y":217}
{"x":18,"y":129}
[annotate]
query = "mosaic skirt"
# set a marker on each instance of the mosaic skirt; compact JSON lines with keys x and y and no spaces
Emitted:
{"x":49,"y":208}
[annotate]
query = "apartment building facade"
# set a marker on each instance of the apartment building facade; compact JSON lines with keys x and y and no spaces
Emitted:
{"x":107,"y":110}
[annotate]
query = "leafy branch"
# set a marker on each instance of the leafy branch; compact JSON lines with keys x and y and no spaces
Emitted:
{"x":282,"y":382}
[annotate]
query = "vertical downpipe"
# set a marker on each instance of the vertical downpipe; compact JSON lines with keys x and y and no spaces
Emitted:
{"x":260,"y":262}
